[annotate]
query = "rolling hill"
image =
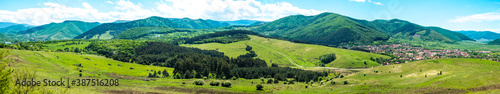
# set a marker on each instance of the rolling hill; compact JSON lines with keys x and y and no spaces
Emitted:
{"x":325,"y":28}
{"x":56,"y":31}
{"x":14,"y":29}
{"x":109,"y":30}
{"x":495,"y":42}
{"x":286,"y":53}
{"x":481,"y":36}
{"x":397,"y":28}
{"x":241,"y":22}
{"x":6,"y":24}
{"x":164,"y":34}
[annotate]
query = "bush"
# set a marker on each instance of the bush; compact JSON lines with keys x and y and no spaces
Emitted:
{"x":234,"y":78}
{"x":276,"y":81}
{"x":333,"y":83}
{"x":226,"y":84}
{"x":270,"y":81}
{"x":199,"y":82}
{"x":290,"y":82}
{"x":327,"y":58}
{"x":215,"y":83}
{"x":345,"y":83}
{"x":259,"y":87}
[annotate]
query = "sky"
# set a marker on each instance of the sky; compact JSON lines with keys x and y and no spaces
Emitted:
{"x":479,"y":15}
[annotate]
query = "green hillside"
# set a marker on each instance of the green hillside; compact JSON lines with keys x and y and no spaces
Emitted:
{"x":286,"y":53}
{"x":165,"y":34}
{"x":14,"y":29}
{"x":109,"y":30}
{"x":325,"y":28}
{"x":495,"y":42}
{"x":403,"y":29}
{"x":56,"y":31}
{"x":481,"y":36}
{"x":6,"y":24}
{"x":457,"y":76}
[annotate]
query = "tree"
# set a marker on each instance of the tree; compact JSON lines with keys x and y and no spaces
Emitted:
{"x":165,"y":73}
{"x":248,"y":48}
{"x":327,"y":58}
{"x":259,"y":87}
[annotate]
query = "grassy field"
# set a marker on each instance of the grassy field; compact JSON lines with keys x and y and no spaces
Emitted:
{"x":458,"y":76}
{"x":286,"y":53}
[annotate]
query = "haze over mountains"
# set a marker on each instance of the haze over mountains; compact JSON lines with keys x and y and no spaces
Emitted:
{"x":481,"y":36}
{"x":325,"y":28}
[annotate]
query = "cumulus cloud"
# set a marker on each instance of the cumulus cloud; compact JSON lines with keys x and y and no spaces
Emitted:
{"x":490,"y":16}
{"x":125,"y":10}
{"x":230,"y":10}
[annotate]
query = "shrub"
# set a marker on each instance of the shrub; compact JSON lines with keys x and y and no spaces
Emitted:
{"x":259,"y":87}
{"x":345,"y":83}
{"x":327,"y":58}
{"x":290,"y":82}
{"x":276,"y":81}
{"x":333,"y":83}
{"x":80,"y":74}
{"x":234,"y":78}
{"x":306,"y":86}
{"x":270,"y":81}
{"x":199,"y":82}
{"x":205,"y":78}
{"x":226,"y":84}
{"x":215,"y":83}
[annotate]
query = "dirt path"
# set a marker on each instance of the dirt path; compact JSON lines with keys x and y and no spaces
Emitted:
{"x":289,"y":59}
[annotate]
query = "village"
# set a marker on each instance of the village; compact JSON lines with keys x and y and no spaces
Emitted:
{"x":404,"y":53}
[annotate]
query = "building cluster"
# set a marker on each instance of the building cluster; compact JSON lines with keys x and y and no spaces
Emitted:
{"x":406,"y":52}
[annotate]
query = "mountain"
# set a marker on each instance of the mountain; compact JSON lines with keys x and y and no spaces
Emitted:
{"x":241,"y":22}
{"x":450,"y":34}
{"x":57,"y":31}
{"x":481,"y":36}
{"x":109,"y":30}
{"x":14,"y":29}
{"x":258,"y":23}
{"x":325,"y":28}
{"x":120,"y":21}
{"x":6,"y":24}
{"x":397,"y":28}
{"x":495,"y":42}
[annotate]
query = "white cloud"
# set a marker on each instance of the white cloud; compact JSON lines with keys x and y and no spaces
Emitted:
{"x":110,"y":2}
{"x":363,"y":1}
{"x":125,"y":10}
{"x":230,"y":10}
{"x":377,"y":3}
{"x":359,"y":0}
{"x":490,"y":16}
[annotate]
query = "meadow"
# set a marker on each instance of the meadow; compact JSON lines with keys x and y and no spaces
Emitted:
{"x":428,"y":76}
{"x":286,"y":53}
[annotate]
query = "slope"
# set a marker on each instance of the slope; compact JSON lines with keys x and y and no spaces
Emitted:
{"x":325,"y":28}
{"x":481,"y":36}
{"x":403,"y":29}
{"x":109,"y":30}
{"x":286,"y":53}
{"x":495,"y":42}
{"x":457,"y":76}
{"x":57,"y":31}
{"x":6,"y":24}
{"x":165,"y":34}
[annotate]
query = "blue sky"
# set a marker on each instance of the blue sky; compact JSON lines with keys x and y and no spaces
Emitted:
{"x":482,"y":15}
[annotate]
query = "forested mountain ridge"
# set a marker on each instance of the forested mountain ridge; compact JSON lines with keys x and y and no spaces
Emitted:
{"x":404,"y":29}
{"x":335,"y":29}
{"x":481,"y":36}
{"x":325,"y":28}
{"x":56,"y":31}
{"x":109,"y":30}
